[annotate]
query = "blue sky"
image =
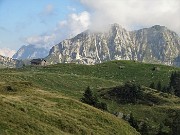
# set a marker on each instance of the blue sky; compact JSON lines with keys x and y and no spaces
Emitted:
{"x":20,"y":19}
{"x":47,"y":22}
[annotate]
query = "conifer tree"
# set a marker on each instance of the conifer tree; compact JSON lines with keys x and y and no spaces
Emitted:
{"x":88,"y":97}
{"x":159,"y":87}
{"x":91,"y":99}
{"x":175,"y":83}
{"x":152,"y":85}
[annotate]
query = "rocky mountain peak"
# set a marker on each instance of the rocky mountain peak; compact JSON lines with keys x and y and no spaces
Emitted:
{"x":30,"y":52}
{"x":116,"y":27}
{"x":158,"y":27}
{"x":156,"y":44}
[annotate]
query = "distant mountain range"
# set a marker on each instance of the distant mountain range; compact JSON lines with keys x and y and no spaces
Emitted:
{"x":156,"y":44}
{"x":30,"y":52}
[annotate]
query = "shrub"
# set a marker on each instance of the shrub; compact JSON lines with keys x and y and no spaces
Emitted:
{"x":89,"y":98}
{"x":128,"y":93}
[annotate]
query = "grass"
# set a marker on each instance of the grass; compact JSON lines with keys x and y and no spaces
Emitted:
{"x":155,"y":108}
{"x":45,"y":100}
{"x":141,"y":72}
{"x":30,"y":110}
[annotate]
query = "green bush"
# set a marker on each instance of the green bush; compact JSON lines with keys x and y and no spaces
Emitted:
{"x":91,"y":99}
{"x":128,"y":93}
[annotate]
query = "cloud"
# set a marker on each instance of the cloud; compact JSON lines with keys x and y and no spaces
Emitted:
{"x":133,"y":13}
{"x":45,"y":40}
{"x":73,"y":25}
{"x":7,"y":52}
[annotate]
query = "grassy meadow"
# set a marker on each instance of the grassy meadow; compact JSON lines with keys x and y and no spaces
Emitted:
{"x":46,"y":100}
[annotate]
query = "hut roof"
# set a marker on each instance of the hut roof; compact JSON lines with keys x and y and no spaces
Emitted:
{"x":37,"y":60}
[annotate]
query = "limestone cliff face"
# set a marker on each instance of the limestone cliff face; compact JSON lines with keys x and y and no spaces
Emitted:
{"x":30,"y":52}
{"x":155,"y":45}
{"x":6,"y":62}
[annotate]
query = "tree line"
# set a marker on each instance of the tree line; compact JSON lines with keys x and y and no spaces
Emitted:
{"x":172,"y":88}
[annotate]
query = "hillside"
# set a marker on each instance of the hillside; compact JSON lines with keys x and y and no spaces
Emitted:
{"x":68,"y":77}
{"x":159,"y":111}
{"x":26,"y":109}
{"x":38,"y":90}
{"x":118,"y":71}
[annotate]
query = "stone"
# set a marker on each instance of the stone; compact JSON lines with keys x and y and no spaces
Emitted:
{"x":156,"y":44}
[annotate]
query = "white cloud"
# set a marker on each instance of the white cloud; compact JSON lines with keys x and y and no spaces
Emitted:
{"x":131,"y":13}
{"x":45,"y":40}
{"x":73,"y":25}
{"x":7,"y":52}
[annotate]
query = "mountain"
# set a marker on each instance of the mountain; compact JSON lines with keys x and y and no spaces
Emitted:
{"x":30,"y":52}
{"x":156,"y":44}
{"x":9,"y":62}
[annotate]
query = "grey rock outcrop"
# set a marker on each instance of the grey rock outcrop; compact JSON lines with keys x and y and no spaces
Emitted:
{"x":30,"y":52}
{"x":154,"y":45}
{"x":6,"y":62}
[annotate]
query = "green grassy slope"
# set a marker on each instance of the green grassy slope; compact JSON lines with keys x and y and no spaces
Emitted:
{"x":69,"y":81}
{"x":26,"y":109}
{"x":155,"y":110}
{"x":114,"y":70}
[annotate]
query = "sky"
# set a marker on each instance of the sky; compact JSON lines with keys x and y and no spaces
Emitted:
{"x":45,"y":23}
